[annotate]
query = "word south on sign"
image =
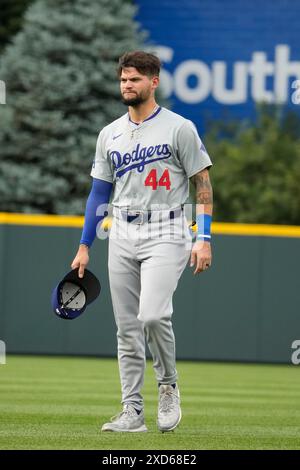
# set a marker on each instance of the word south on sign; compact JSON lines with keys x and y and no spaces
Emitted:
{"x":248,"y":80}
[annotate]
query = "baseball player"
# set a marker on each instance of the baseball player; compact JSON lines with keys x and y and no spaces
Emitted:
{"x":144,"y":160}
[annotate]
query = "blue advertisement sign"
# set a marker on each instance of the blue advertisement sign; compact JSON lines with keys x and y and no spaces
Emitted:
{"x":221,"y":57}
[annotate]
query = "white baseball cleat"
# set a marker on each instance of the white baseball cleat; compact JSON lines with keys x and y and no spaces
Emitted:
{"x":169,"y":412}
{"x":126,"y":421}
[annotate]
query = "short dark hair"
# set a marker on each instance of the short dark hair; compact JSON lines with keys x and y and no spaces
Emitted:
{"x":145,"y":63}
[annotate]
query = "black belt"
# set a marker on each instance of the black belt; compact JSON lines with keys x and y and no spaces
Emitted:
{"x":145,"y":216}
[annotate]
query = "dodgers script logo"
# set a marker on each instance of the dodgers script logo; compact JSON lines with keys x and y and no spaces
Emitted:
{"x":138,"y":158}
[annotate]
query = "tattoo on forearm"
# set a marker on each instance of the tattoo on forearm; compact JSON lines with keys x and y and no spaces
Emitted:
{"x":204,"y":193}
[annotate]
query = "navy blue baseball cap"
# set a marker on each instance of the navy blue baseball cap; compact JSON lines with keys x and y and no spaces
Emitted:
{"x":73,"y":294}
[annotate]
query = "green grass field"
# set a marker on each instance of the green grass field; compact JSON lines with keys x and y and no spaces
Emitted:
{"x":60,"y":403}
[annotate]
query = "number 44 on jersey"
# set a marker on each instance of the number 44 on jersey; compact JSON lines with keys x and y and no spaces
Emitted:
{"x":164,"y":180}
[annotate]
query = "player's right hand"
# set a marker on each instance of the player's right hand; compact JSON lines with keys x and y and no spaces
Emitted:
{"x":81,"y":259}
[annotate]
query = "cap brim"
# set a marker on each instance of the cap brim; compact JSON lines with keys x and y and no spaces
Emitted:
{"x":88,"y":282}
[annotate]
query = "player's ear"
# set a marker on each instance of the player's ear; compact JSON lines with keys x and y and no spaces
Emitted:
{"x":155,"y":82}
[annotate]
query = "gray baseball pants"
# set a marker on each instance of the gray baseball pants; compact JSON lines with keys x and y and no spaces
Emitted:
{"x":145,"y":261}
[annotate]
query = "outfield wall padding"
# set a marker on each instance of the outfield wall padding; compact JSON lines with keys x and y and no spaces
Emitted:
{"x":244,"y":308}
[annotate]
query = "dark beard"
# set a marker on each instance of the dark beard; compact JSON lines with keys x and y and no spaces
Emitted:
{"x":133,"y":101}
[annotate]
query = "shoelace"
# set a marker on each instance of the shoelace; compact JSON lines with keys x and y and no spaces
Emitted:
{"x":125,"y":413}
{"x":167,"y":401}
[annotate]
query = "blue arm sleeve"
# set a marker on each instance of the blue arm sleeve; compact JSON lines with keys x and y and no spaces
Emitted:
{"x":99,"y":195}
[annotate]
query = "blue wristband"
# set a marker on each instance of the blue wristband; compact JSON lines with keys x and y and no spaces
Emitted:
{"x":203,"y":227}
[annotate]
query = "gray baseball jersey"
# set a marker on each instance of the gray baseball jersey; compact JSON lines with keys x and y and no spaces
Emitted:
{"x":149,"y":163}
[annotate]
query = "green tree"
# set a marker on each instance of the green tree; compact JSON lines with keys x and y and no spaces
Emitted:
{"x":256,"y":170}
{"x":11,"y":18}
{"x":60,"y":75}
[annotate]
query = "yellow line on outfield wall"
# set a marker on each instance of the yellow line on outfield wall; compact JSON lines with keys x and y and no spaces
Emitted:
{"x":42,"y":220}
{"x":219,"y":228}
{"x":256,"y":229}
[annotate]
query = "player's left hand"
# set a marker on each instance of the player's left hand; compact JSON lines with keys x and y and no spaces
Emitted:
{"x":201,"y":256}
